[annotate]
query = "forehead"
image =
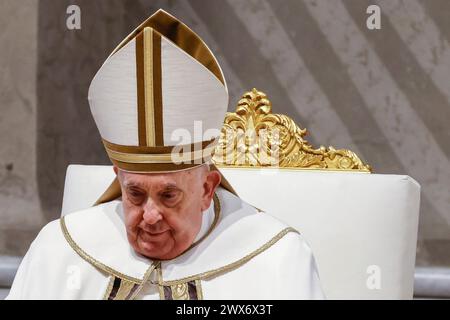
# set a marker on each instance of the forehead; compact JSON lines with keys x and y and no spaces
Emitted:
{"x":160,"y":180}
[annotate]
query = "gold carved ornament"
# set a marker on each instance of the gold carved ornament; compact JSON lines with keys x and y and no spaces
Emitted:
{"x":255,"y":137}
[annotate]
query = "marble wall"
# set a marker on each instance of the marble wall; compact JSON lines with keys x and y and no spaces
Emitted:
{"x":21,"y":215}
{"x":382,"y":93}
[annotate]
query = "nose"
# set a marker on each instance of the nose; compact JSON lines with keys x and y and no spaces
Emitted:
{"x":152,"y":214}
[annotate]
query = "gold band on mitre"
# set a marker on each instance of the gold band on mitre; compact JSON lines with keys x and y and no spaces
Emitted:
{"x":161,"y":158}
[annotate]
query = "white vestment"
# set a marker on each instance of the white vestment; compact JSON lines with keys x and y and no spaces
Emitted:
{"x":242,"y":254}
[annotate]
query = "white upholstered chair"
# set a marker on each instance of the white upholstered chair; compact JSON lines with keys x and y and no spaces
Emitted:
{"x":361,"y":226}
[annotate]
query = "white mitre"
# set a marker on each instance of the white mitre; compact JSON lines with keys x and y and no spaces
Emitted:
{"x":159,"y":100}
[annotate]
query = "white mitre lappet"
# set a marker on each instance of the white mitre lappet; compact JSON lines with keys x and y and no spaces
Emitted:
{"x":162,"y":92}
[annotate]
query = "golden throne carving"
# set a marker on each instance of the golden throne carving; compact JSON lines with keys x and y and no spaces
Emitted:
{"x":252,"y":135}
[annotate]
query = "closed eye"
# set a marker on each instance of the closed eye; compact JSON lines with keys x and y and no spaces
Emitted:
{"x":136,"y":196}
{"x":169,"y":195}
{"x":170,"y":198}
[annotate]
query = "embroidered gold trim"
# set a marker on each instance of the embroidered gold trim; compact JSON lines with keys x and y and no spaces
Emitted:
{"x":233,"y":265}
{"x":91,"y":260}
{"x":109,"y":287}
{"x":217,"y":212}
{"x":124,"y":290}
{"x":180,"y":291}
{"x":160,"y":287}
{"x":198,"y":285}
{"x":148,"y":273}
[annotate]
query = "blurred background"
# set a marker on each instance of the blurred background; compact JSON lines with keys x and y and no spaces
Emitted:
{"x":383,"y":93}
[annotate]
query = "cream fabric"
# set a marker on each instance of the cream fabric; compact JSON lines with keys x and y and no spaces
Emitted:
{"x":113,"y":97}
{"x":360,"y":226}
{"x":190,"y":93}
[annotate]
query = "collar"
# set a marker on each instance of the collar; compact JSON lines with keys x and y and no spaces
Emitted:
{"x":207,"y":222}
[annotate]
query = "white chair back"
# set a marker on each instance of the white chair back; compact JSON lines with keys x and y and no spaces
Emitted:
{"x":362,"y":227}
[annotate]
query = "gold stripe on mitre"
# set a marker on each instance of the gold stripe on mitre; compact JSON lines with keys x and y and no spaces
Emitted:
{"x":149,"y":88}
{"x":182,"y":36}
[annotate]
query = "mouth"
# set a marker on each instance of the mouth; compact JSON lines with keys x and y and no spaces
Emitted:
{"x":153,"y":233}
{"x":147,"y":236}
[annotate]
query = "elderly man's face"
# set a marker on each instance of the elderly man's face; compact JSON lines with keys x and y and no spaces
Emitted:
{"x":163,"y":211}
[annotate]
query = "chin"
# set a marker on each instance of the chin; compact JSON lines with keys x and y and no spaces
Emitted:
{"x":153,"y":250}
{"x":173,"y":253}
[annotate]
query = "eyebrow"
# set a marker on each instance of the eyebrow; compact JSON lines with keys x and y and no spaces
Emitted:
{"x":128,"y":184}
{"x":169,"y":185}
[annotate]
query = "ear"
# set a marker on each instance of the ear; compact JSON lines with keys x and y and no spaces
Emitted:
{"x":212,"y":181}
{"x":116,"y":170}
